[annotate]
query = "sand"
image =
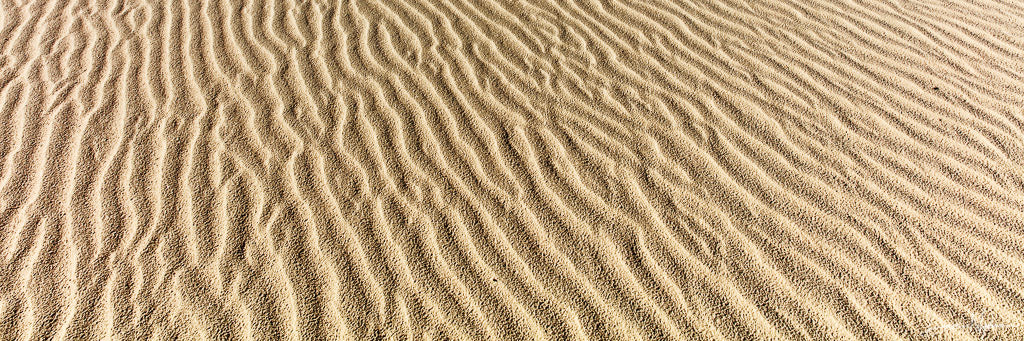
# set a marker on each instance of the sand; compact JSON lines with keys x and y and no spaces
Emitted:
{"x":511,"y":170}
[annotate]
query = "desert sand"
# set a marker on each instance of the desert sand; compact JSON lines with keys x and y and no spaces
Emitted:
{"x":511,"y":170}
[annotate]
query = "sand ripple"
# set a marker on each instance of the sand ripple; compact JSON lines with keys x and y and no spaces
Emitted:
{"x":580,"y":169}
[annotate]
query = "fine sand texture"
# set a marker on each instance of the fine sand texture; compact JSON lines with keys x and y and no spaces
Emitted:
{"x":511,"y":170}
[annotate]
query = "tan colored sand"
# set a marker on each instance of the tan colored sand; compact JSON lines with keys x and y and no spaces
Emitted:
{"x":511,"y":169}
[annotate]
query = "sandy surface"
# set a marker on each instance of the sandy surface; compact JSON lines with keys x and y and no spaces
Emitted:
{"x":508,"y":170}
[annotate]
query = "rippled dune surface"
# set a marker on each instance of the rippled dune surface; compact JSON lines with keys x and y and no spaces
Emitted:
{"x":511,"y":169}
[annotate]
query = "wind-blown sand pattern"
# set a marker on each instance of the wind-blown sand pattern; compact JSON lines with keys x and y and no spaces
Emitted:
{"x":504,"y":169}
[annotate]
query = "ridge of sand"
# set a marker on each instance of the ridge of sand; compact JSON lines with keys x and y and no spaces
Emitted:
{"x":536,"y":169}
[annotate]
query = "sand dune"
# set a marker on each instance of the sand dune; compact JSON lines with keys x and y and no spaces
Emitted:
{"x":511,"y":169}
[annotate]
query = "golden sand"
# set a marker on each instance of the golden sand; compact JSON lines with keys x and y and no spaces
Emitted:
{"x":511,"y":169}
